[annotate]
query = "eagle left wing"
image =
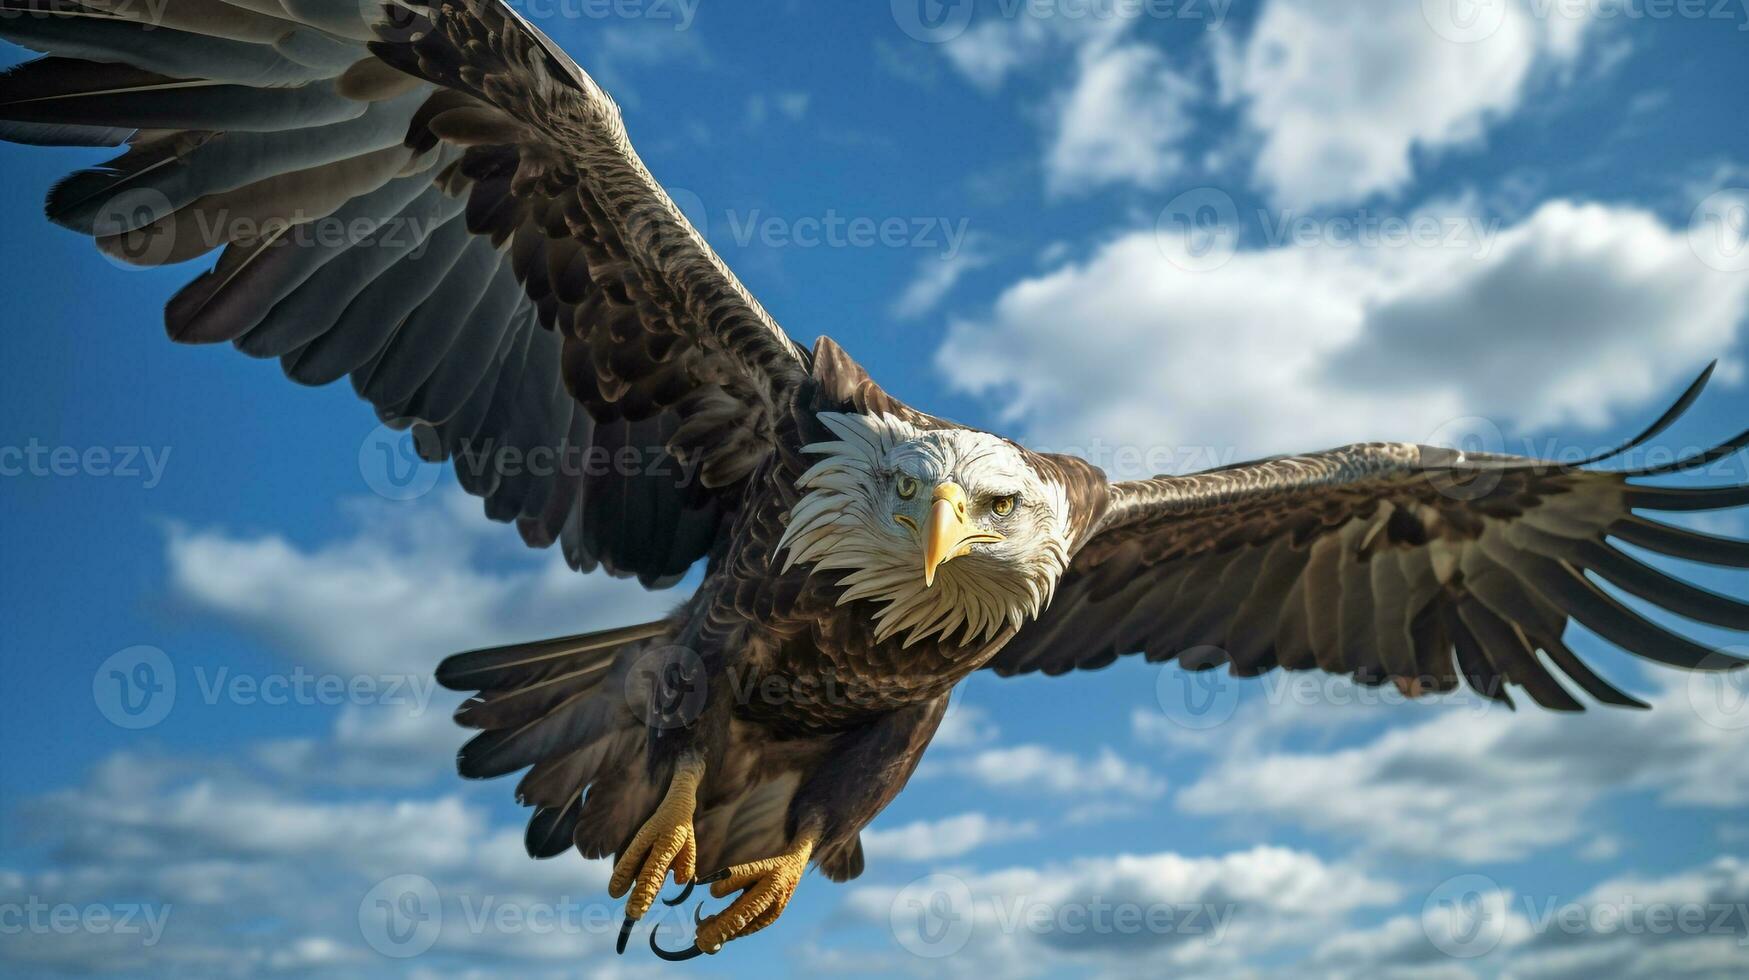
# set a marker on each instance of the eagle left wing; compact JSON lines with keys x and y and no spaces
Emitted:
{"x":1393,"y":563}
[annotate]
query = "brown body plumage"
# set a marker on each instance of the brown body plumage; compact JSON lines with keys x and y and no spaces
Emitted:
{"x":517,"y":288}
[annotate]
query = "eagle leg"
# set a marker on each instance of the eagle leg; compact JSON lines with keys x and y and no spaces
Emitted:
{"x":666,"y":841}
{"x":766,"y":888}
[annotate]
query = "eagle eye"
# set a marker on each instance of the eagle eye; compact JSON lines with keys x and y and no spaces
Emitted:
{"x":1003,"y":506}
{"x":907,"y":487}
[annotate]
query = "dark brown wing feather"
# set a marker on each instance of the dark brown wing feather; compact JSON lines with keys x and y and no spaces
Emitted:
{"x":461,"y":227}
{"x":1394,"y":564}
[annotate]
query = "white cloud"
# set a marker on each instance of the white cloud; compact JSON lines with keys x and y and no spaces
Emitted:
{"x":376,"y":746}
{"x":1121,"y":122}
{"x":266,"y":857}
{"x":936,"y":276}
{"x":1038,"y":769}
{"x":965,"y":726}
{"x":792,"y":106}
{"x":1487,"y":785}
{"x":405,"y":590}
{"x":1405,"y":945}
{"x":1341,"y":95}
{"x":1121,"y":115}
{"x":620,"y":50}
{"x":248,"y":876}
{"x":994,"y":49}
{"x":933,"y":840}
{"x":1130,"y":911}
{"x":1569,"y":317}
{"x":1689,"y":924}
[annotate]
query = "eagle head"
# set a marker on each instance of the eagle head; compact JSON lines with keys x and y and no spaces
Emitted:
{"x":954,"y":531}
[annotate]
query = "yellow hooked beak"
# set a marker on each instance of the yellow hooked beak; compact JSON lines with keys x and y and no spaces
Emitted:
{"x":947,"y":534}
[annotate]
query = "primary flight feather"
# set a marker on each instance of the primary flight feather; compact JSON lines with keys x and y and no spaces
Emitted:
{"x":439,"y":204}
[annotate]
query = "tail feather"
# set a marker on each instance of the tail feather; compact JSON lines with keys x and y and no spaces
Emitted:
{"x":549,"y":704}
{"x":552,"y":830}
{"x":520,"y":664}
{"x":618,"y":803}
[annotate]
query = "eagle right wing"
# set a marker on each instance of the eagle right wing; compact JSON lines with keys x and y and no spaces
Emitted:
{"x":437,"y":202}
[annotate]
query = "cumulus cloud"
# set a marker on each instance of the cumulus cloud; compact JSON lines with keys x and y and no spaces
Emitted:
{"x":1036,"y":769}
{"x":247,"y":877}
{"x":936,"y":276}
{"x":1137,"y":910}
{"x":1571,"y":316}
{"x":1342,"y":95}
{"x":377,"y":745}
{"x":994,"y":49}
{"x":1121,"y":122}
{"x":1118,"y":116}
{"x":1692,"y":923}
{"x":949,"y":837}
{"x":280,"y":853}
{"x":1486,"y":784}
{"x":410,"y":586}
{"x":964,"y":726}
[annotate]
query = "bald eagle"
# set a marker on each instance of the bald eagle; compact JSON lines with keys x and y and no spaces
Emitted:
{"x":438,"y":203}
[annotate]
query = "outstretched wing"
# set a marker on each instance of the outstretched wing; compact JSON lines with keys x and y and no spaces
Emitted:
{"x":438,"y":203}
{"x":1393,"y":563}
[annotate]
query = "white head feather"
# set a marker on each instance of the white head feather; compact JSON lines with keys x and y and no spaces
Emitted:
{"x":846,"y":521}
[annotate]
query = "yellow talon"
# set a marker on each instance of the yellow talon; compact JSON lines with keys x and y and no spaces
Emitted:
{"x":766,"y":888}
{"x":666,"y":841}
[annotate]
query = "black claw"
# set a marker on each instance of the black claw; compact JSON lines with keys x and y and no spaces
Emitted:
{"x":685,"y":894}
{"x":625,"y":932}
{"x":674,"y":956}
{"x":698,"y":915}
{"x":712,"y":879}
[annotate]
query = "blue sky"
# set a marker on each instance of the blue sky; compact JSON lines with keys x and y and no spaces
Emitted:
{"x":1201,"y":233}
